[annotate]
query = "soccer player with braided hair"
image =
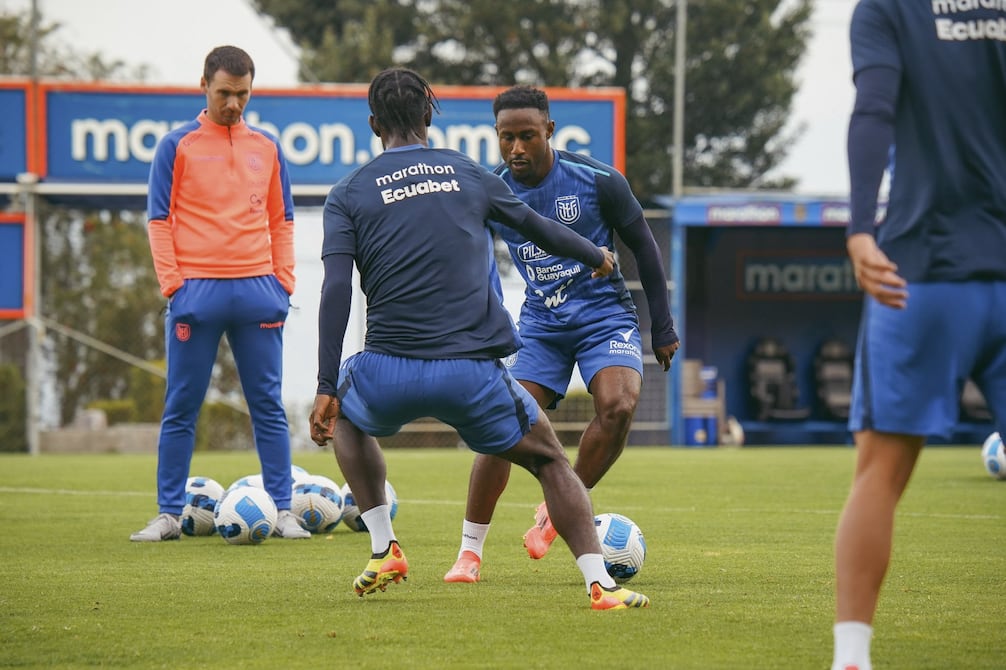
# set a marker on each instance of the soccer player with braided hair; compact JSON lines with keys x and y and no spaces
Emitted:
{"x":415,"y":222}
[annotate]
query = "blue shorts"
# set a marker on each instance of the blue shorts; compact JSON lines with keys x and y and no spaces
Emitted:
{"x":549,"y":352}
{"x":911,"y":364}
{"x":380,"y":393}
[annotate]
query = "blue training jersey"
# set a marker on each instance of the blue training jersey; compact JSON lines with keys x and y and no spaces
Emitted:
{"x":593,"y":199}
{"x":946,"y":217}
{"x":415,"y":220}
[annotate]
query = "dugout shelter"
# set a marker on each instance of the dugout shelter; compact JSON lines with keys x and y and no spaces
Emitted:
{"x":746,"y":267}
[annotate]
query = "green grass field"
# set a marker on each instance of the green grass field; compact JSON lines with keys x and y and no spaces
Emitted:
{"x":739,"y":570}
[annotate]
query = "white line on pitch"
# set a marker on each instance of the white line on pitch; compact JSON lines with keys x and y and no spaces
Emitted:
{"x":458,"y":503}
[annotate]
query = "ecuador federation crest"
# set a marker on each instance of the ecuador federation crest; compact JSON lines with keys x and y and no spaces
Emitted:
{"x":567,"y":209}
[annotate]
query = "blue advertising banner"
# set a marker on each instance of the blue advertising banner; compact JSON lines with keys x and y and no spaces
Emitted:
{"x":104,"y":134}
{"x":13,"y":131}
{"x":13,"y":270}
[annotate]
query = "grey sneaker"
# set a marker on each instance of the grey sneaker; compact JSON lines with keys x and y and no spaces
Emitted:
{"x":161,"y":527}
{"x":288,"y":527}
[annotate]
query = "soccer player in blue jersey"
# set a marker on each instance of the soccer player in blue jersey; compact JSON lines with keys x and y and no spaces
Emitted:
{"x":415,"y":221}
{"x":567,"y":318}
{"x":931,"y":82}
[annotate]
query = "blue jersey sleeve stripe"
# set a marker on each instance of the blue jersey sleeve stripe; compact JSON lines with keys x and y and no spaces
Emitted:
{"x":162,"y":173}
{"x":584,"y":166}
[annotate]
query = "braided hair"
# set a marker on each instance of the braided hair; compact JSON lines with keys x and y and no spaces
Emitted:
{"x":399,"y":99}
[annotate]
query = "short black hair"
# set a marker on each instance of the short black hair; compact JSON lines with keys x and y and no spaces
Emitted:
{"x":399,"y":99}
{"x":521,"y":97}
{"x":230,"y":59}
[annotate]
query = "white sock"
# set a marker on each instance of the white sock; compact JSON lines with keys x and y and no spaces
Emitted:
{"x":378,"y":520}
{"x":852,"y":646}
{"x":473,"y":537}
{"x":592,"y":567}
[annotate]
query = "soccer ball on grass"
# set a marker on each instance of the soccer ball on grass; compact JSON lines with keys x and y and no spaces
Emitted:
{"x":317,"y":503}
{"x":622,"y":545}
{"x":248,"y":480}
{"x":245,"y":515}
{"x":351,"y":514}
{"x":201,"y":497}
{"x":994,"y":457}
{"x":299,"y":474}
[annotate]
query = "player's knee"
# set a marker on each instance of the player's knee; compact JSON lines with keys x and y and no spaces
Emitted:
{"x":617,"y":412}
{"x":540,"y":463}
{"x":538,"y":449}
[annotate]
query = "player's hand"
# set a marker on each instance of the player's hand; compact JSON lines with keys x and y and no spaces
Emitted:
{"x":607,"y":266}
{"x":875,"y":272}
{"x":322,"y":419}
{"x":665,"y":353}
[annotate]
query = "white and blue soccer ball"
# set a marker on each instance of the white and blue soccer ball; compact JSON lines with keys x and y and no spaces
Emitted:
{"x":317,"y":503}
{"x":201,"y":497}
{"x":351,"y":513}
{"x":299,"y":474}
{"x":248,"y":480}
{"x":622,"y":545}
{"x":994,"y":456}
{"x":245,"y":515}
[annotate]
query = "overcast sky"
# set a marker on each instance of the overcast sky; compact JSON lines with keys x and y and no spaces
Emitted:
{"x":823,"y":103}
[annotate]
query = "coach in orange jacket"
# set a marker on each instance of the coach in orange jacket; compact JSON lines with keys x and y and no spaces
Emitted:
{"x":221,"y":236}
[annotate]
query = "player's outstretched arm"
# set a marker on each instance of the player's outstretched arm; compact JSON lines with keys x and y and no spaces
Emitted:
{"x":550,"y":235}
{"x":560,"y":240}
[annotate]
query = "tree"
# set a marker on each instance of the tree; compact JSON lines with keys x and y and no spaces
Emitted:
{"x":489,"y":43}
{"x":343,"y":40}
{"x":97,"y":279}
{"x":741,"y":82}
{"x":740,"y":70}
{"x":12,"y":409}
